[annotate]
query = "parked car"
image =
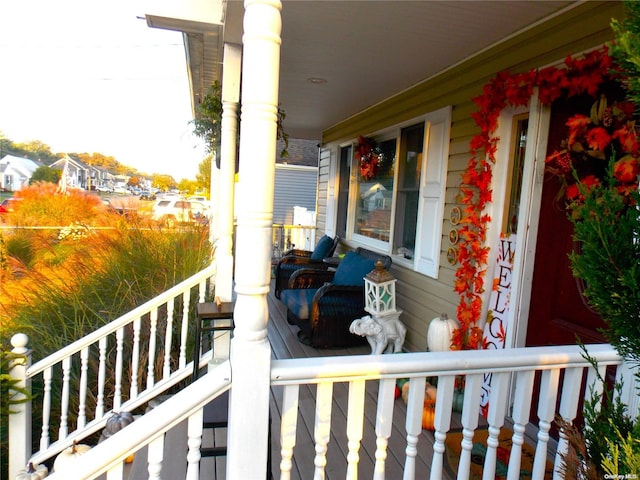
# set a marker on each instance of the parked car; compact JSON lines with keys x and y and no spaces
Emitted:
{"x":120,"y":210}
{"x":172,"y":211}
{"x":7,"y":206}
{"x":147,"y":195}
{"x":103,"y":188}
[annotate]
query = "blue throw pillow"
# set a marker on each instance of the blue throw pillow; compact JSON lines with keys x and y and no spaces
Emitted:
{"x":352,"y":270}
{"x":322,"y":248}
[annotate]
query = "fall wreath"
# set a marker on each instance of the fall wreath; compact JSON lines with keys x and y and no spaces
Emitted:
{"x":368,"y":156}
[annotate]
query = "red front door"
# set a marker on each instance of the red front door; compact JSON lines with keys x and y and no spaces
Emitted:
{"x":558,"y":312}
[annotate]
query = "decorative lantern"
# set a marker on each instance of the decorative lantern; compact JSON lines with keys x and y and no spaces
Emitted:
{"x":380,"y":291}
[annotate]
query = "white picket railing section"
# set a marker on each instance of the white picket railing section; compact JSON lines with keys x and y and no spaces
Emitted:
{"x":120,"y":366}
{"x":286,"y":237}
{"x":561,"y":373}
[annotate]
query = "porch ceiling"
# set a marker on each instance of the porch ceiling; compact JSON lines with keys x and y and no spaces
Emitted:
{"x":366,"y":51}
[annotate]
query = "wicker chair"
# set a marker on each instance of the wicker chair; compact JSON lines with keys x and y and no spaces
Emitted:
{"x":323,"y":303}
{"x":296,"y":259}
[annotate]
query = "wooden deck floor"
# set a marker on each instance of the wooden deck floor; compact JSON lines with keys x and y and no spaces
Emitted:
{"x":285,"y":344}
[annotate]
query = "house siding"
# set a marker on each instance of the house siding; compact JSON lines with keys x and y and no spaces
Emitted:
{"x":577,"y":30}
{"x":295,"y":187}
{"x":324,"y":169}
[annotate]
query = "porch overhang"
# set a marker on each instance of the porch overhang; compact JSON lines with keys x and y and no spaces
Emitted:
{"x":339,"y":58}
{"x":201,"y":23}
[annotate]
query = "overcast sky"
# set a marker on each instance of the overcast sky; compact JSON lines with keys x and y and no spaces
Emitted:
{"x":88,"y":76}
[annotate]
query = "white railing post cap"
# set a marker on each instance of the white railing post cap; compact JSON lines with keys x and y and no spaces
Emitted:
{"x":19,"y":342}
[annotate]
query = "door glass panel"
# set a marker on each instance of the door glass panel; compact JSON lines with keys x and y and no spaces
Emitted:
{"x":514,"y":187}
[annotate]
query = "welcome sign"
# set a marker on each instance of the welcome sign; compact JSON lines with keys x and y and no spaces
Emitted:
{"x":495,"y":327}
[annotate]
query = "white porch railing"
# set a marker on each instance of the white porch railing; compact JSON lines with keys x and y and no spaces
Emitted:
{"x":116,"y":368}
{"x":286,"y":237}
{"x":562,"y":371}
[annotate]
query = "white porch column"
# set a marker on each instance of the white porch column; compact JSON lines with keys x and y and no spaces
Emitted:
{"x":250,"y":350}
{"x":226,"y":180}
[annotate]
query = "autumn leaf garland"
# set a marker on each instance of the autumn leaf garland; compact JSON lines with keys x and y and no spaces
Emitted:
{"x":578,"y":76}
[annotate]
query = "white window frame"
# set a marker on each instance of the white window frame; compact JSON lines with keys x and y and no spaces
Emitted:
{"x":372,"y":243}
{"x":432,"y":192}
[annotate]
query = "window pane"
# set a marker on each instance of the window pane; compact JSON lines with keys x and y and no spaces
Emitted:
{"x":409,"y":166}
{"x":343,"y":191}
{"x":373,"y":213}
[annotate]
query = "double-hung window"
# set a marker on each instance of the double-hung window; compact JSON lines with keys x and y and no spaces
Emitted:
{"x":400,"y":209}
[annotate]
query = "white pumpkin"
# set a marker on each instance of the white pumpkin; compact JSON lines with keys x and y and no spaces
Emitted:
{"x":33,"y":472}
{"x":440,"y":332}
{"x":66,"y":459}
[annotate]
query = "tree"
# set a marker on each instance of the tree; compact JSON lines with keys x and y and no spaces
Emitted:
{"x":36,"y":150}
{"x":186,"y":185}
{"x":45,"y":174}
{"x":163,"y":182}
{"x":626,"y":48}
{"x":134,"y":182}
{"x":203,"y":177}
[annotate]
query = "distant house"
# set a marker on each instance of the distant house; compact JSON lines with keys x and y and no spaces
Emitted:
{"x":99,"y":178}
{"x":15,"y":172}
{"x":296,"y":180}
{"x":77,"y":171}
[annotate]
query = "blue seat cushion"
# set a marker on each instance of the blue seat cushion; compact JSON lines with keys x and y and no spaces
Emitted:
{"x":298,"y":301}
{"x":352,"y":270}
{"x":322,"y":248}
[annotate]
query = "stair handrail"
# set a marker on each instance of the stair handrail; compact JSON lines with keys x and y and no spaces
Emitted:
{"x":123,"y":320}
{"x":111,"y":453}
{"x":20,"y":450}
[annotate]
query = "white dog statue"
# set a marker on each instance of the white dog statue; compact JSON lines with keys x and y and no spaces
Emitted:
{"x":381,"y":333}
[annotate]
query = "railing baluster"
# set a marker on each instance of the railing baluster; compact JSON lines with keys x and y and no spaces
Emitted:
{"x":322,"y":430}
{"x":194,"y":442}
{"x":186,"y":296}
{"x":47,"y":375}
{"x":470,"y":414}
{"x":568,"y":409}
{"x":116,"y":472}
{"x":521,"y":410}
{"x":546,"y":411}
{"x":102,"y":375}
{"x":355,"y":426}
{"x":630,"y":387}
{"x":153,"y":329}
{"x":168,"y":338}
{"x":64,"y":401}
{"x":289,"y":424}
{"x":495,"y":418}
{"x":155,"y":455}
{"x":384,"y":422}
{"x":202,"y":290}
{"x":135,"y":358}
{"x":594,"y":385}
{"x":117,"y":392}
{"x":413,"y":424}
{"x":442,"y":422}
{"x":82,"y":394}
